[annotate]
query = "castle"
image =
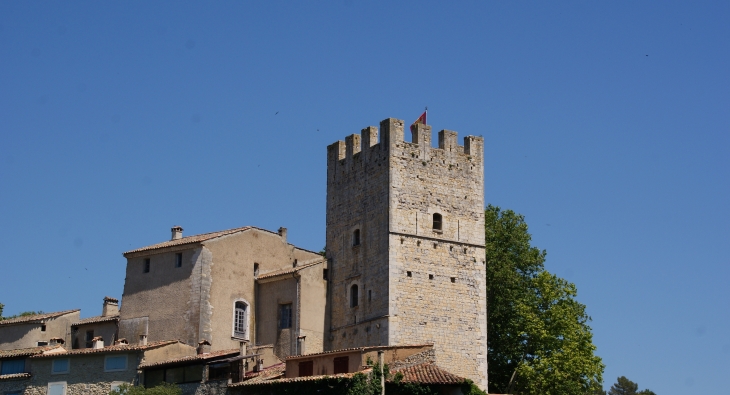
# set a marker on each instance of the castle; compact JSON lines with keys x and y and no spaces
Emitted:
{"x":404,"y":267}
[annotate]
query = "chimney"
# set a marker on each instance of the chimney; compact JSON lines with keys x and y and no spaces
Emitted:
{"x":300,"y":345}
{"x":142,"y":340}
{"x":97,"y":343}
{"x":242,"y":347}
{"x":176,"y":232}
{"x":282,"y":233}
{"x":203,"y":347}
{"x":121,"y":342}
{"x":56,"y":340}
{"x":110,"y":308}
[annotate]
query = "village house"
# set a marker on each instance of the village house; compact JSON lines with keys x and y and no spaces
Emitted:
{"x":37,"y":329}
{"x":85,"y":331}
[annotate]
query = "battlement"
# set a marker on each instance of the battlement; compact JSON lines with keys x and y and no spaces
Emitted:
{"x":392,"y":141}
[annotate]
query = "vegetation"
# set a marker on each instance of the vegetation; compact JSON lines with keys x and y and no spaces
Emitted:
{"x":162,"y":389}
{"x":23,"y":314}
{"x":625,"y":386}
{"x":539,"y":341}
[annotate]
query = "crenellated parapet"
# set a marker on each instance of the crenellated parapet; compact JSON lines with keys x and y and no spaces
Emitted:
{"x":359,"y":148}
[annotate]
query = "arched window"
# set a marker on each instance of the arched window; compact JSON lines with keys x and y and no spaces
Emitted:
{"x":437,"y":221}
{"x":356,"y":237}
{"x":353,"y":295}
{"x":240,"y":320}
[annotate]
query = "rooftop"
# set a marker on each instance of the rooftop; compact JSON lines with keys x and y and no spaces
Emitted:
{"x":97,"y":319}
{"x":281,"y":272}
{"x":116,"y":348}
{"x":368,"y":348}
{"x":427,"y":373}
{"x":24,"y":352}
{"x":36,"y":317}
{"x":191,"y":358}
{"x":14,"y":376}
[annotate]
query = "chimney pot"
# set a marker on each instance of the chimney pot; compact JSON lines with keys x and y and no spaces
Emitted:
{"x":203,"y":347}
{"x":110,"y":308}
{"x":176,"y":232}
{"x":56,"y":340}
{"x":282,"y":233}
{"x":97,"y":343}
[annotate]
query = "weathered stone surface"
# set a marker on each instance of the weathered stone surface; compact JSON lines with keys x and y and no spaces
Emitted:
{"x":415,"y":283}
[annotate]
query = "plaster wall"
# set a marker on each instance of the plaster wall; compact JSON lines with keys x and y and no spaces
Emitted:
{"x":272,"y":295}
{"x":107,"y":331}
{"x":26,"y":335}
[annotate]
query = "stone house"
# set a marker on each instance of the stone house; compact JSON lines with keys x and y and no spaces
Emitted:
{"x":37,"y":330}
{"x":213,"y":287}
{"x":97,"y":370}
{"x":83,"y":332}
{"x":15,"y":368}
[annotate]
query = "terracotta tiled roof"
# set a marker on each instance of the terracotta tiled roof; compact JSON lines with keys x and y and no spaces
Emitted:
{"x":190,"y":239}
{"x":281,"y":272}
{"x":190,"y":358}
{"x":304,"y":356}
{"x":269,"y":373}
{"x":116,"y":348}
{"x":428,"y":373}
{"x":97,"y":319}
{"x":14,"y":376}
{"x":36,"y":317}
{"x":273,"y":380}
{"x":24,"y":352}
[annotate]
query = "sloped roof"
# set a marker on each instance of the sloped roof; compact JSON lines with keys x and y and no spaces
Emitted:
{"x":97,"y":319}
{"x":15,"y":376}
{"x":427,"y":373}
{"x":364,"y":348}
{"x":24,"y":352}
{"x":117,"y":348}
{"x":191,"y":239}
{"x":281,"y":272}
{"x":273,"y":379}
{"x":36,"y":317}
{"x":191,"y":358}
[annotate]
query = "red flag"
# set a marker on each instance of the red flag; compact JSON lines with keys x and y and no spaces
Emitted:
{"x":420,"y":120}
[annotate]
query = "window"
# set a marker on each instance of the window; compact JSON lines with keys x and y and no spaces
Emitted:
{"x":356,"y":237}
{"x":115,"y":363}
{"x":43,"y":328}
{"x":409,"y":274}
{"x":89,"y":339}
{"x":178,"y":259}
{"x":12,"y":366}
{"x":430,"y":276}
{"x":306,"y":368}
{"x":57,"y":388}
{"x":59,"y":366}
{"x":341,"y":365}
{"x":353,"y":295}
{"x":285,"y":316}
{"x":116,"y":384}
{"x":146,"y":265}
{"x":239,"y":320}
{"x":255,"y":269}
{"x":437,"y":221}
{"x":324,"y":274}
{"x":41,"y":343}
{"x":370,"y":295}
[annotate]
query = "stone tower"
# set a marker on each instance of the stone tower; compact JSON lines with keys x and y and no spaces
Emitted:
{"x":405,"y":243}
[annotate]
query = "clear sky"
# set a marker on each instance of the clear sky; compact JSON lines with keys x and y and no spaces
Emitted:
{"x":605,"y":123}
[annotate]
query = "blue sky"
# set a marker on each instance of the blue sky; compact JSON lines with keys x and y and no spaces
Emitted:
{"x":606,"y":125}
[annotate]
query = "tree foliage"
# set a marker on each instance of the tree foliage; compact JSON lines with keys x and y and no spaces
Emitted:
{"x":539,"y":341}
{"x":23,"y":314}
{"x":2,"y":306}
{"x":162,"y":389}
{"x":625,"y":386}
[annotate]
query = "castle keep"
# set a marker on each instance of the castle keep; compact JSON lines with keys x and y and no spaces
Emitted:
{"x":405,"y":244}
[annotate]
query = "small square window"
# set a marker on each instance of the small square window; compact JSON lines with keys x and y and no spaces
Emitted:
{"x":324,"y":274}
{"x":60,"y":366}
{"x":430,"y":276}
{"x":409,"y":274}
{"x":57,"y":388}
{"x":178,"y":259}
{"x":43,"y":328}
{"x":146,"y":265}
{"x":453,"y":279}
{"x":115,"y":363}
{"x":41,"y":343}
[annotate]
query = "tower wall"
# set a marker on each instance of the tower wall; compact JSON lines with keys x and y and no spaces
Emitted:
{"x":417,"y":284}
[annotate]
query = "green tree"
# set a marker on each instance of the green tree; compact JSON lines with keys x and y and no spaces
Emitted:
{"x":625,"y":386}
{"x":162,"y":389}
{"x":539,"y":341}
{"x":1,"y":311}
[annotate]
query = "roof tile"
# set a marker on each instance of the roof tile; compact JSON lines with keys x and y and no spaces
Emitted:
{"x":428,"y":373}
{"x":36,"y":317}
{"x":116,"y":348}
{"x":97,"y":319}
{"x":190,"y":239}
{"x":190,"y":358}
{"x":24,"y":352}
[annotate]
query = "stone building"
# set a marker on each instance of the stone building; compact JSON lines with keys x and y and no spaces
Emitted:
{"x":105,"y":325}
{"x":37,"y":329}
{"x":405,"y":244}
{"x":214,"y":287}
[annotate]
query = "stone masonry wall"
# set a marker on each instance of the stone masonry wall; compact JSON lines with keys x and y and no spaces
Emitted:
{"x":86,"y":375}
{"x":416,"y":284}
